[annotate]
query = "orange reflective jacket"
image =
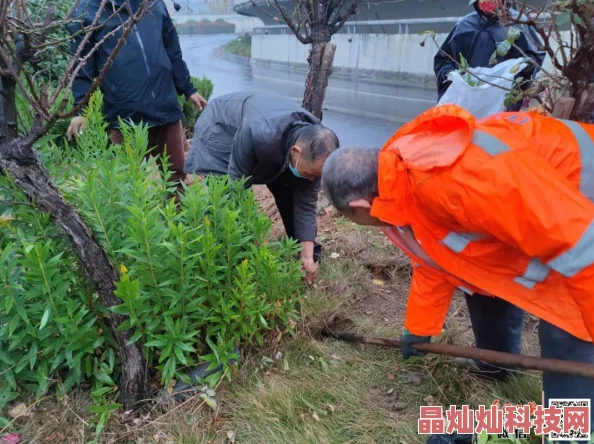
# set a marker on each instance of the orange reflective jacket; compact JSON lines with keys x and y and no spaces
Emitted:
{"x":504,"y":204}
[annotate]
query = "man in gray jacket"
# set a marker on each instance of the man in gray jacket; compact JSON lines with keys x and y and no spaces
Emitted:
{"x":272,"y":141}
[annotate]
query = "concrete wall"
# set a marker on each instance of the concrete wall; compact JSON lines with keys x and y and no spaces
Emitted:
{"x":398,"y":57}
{"x":242,"y":23}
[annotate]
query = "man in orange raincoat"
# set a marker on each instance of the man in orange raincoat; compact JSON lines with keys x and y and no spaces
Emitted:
{"x":500,"y":208}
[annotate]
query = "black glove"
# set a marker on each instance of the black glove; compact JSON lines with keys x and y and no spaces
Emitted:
{"x":405,"y":344}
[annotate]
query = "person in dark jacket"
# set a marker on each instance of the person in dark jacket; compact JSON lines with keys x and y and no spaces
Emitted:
{"x":144,"y":79}
{"x":269,"y":140}
{"x":476,"y":37}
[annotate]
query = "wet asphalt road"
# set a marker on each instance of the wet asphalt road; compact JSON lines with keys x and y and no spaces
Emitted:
{"x":361,"y":113}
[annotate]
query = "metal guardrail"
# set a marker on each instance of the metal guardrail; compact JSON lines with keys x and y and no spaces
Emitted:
{"x":403,"y":25}
{"x":351,"y":27}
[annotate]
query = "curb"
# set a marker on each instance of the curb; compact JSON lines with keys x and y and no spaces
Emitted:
{"x":222,"y":53}
{"x":424,"y":81}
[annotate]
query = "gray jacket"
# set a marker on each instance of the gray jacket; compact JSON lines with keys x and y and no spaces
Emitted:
{"x":249,"y":134}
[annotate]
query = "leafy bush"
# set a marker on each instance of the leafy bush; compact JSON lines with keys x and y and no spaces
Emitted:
{"x":204,"y":87}
{"x":205,"y":26}
{"x":196,"y":281}
{"x":241,"y":46}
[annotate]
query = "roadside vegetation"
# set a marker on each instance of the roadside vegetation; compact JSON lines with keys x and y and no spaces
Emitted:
{"x":205,"y":26}
{"x":305,"y":388}
{"x":241,"y":46}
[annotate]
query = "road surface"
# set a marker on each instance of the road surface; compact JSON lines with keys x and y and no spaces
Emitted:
{"x":361,"y":113}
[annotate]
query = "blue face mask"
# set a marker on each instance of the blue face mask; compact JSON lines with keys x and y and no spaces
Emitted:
{"x":294,"y":169}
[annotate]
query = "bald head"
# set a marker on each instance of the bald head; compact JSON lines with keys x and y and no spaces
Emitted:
{"x":350,"y":174}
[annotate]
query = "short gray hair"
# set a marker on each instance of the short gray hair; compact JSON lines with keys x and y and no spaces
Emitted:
{"x":317,"y":141}
{"x":350,"y":174}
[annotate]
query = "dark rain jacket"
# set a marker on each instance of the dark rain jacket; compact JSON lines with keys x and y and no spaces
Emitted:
{"x":476,"y":37}
{"x":147,"y":74}
{"x":249,"y":134}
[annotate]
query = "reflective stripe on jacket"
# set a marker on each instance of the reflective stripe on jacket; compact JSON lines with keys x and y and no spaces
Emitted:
{"x":503,"y":203}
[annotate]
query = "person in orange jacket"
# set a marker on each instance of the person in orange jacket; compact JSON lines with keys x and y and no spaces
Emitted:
{"x":500,"y":208}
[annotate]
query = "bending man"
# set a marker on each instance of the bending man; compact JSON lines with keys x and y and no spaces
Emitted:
{"x":500,"y":208}
{"x":270,"y":140}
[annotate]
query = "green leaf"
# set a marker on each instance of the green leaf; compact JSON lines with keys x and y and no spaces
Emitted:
{"x":313,"y":407}
{"x":102,"y":391}
{"x":135,"y":337}
{"x":156,"y":343}
{"x":6,"y":358}
{"x":101,"y":423}
{"x":180,"y":356}
{"x":578,"y":20}
{"x":483,"y":437}
{"x":211,"y":402}
{"x":503,"y":48}
{"x":13,"y":324}
{"x":185,"y":347}
{"x":104,"y":378}
{"x":121,"y":309}
{"x":562,"y":19}
{"x":263,"y":321}
{"x":46,"y":315}
{"x":22,"y":313}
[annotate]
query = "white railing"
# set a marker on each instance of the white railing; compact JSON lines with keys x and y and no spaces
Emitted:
{"x":351,"y":27}
{"x":403,"y":25}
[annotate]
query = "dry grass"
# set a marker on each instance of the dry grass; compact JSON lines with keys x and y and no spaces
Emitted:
{"x":315,"y":391}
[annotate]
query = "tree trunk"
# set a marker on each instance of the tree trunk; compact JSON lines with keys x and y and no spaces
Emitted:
{"x":321,"y":56}
{"x":563,"y":107}
{"x":584,"y":108}
{"x":22,"y":162}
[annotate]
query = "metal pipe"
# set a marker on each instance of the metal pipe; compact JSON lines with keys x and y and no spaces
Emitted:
{"x":418,"y":21}
{"x":425,"y":21}
{"x":488,"y":356}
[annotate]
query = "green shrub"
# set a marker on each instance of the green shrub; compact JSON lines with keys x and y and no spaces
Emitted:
{"x":204,"y":87}
{"x":241,"y":46}
{"x":205,"y":26}
{"x":196,"y":281}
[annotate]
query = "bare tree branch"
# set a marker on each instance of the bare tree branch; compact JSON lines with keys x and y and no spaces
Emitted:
{"x":10,"y":69}
{"x":128,"y":26}
{"x":75,"y":58}
{"x":289,"y":22}
{"x":339,"y":23}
